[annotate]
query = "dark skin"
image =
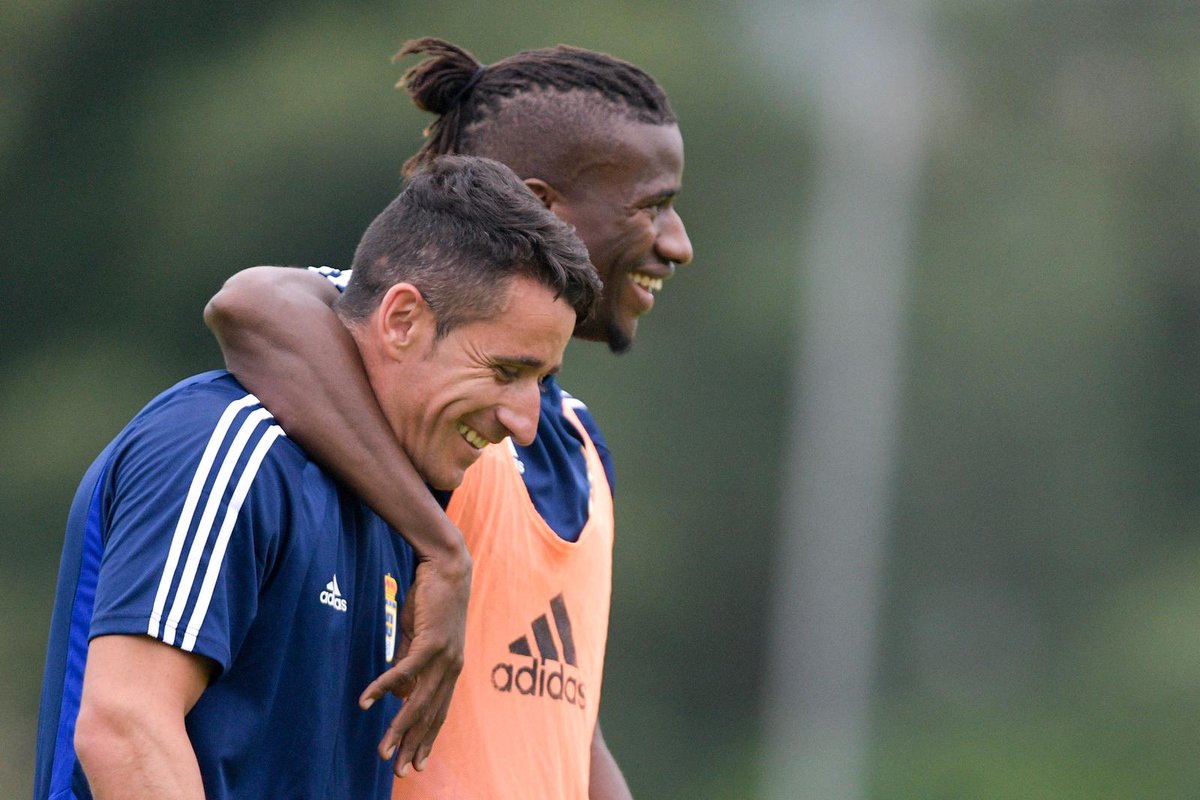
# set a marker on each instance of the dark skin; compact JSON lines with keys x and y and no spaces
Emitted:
{"x":293,"y":353}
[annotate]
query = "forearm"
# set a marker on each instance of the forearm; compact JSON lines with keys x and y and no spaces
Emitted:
{"x":606,"y":781}
{"x":295,"y":355}
{"x":128,"y":757}
{"x":130,"y":736}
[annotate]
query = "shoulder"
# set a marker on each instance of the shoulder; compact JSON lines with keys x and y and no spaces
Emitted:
{"x":196,"y":407}
{"x":208,"y":422}
{"x":206,"y":455}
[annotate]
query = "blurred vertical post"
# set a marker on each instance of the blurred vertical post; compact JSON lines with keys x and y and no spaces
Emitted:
{"x":863,"y":68}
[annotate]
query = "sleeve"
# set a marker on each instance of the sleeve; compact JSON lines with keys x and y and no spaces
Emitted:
{"x":196,"y":507}
{"x":338,"y":277}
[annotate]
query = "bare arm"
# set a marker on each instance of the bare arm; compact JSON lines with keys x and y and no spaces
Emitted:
{"x":284,"y":343}
{"x":130,"y":736}
{"x":606,"y":782}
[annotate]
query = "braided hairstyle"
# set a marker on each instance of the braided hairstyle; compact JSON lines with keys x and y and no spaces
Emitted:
{"x":553,"y":86}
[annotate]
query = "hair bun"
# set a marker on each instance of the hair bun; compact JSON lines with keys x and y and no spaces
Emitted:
{"x":443,"y":78}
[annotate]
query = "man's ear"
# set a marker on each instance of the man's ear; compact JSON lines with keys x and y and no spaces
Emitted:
{"x":544,"y":191}
{"x":404,"y":320}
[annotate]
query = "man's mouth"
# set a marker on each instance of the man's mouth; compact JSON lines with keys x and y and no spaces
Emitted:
{"x":647,"y":282}
{"x":473,"y":437}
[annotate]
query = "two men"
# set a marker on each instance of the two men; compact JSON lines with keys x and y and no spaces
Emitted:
{"x":595,"y":139}
{"x":222,"y":603}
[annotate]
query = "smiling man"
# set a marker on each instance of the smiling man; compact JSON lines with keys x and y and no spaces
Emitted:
{"x":225,"y":609}
{"x":596,"y":140}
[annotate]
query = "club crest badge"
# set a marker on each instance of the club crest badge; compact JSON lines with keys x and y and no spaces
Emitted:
{"x":389,"y":624}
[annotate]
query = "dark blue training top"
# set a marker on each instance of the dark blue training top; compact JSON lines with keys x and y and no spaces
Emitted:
{"x":203,"y":526}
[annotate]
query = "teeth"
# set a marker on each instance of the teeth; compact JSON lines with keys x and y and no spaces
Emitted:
{"x":473,"y":437}
{"x":646,"y":282}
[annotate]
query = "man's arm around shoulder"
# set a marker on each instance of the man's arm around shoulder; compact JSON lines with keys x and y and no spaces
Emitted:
{"x":130,"y":736}
{"x":285,"y":344}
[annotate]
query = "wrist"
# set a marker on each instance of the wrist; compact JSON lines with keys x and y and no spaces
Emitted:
{"x":447,"y":555}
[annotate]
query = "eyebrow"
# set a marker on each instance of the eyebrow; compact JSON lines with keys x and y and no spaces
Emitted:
{"x":527,"y":361}
{"x":665,"y":194}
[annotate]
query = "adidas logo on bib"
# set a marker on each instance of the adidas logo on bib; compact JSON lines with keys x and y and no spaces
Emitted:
{"x":552,"y":672}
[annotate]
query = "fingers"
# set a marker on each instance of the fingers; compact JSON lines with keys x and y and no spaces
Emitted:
{"x":442,"y":706}
{"x":432,"y":628}
{"x":409,"y":737}
{"x":416,"y":731}
{"x":399,"y":680}
{"x":412,"y":734}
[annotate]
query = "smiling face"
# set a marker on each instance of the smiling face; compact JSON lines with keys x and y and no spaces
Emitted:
{"x":447,"y":398}
{"x":622,"y":207}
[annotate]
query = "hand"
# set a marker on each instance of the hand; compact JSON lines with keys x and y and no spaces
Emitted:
{"x":433,"y":624}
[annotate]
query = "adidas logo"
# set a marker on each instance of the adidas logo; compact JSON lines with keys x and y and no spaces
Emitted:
{"x":332,"y":596}
{"x":539,"y":677}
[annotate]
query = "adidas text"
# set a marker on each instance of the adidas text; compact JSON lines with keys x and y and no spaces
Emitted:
{"x":332,"y":596}
{"x":533,"y":681}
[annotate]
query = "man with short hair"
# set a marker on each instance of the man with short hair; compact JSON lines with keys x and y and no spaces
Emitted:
{"x":596,"y":140}
{"x":222,"y":603}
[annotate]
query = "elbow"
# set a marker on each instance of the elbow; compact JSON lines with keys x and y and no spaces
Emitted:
{"x":217,"y":312}
{"x":232,"y":307}
{"x":101,"y":737}
{"x":258,"y":298}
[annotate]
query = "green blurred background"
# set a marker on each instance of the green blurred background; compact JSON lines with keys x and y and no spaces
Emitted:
{"x":1040,"y":620}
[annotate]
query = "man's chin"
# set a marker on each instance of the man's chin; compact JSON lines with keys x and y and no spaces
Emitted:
{"x":618,"y":340}
{"x":446,"y":482}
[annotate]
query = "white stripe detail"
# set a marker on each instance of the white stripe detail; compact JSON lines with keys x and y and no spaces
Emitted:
{"x":184,"y":590}
{"x":218,"y":554}
{"x":572,"y":402}
{"x":338,"y":277}
{"x":189,"y":507}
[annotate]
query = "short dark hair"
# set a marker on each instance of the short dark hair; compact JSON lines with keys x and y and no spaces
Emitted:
{"x":461,"y":229}
{"x":498,"y":110}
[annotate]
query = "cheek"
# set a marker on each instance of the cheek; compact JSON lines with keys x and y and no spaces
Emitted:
{"x":638,"y":242}
{"x":630,"y":249}
{"x":464,"y":397}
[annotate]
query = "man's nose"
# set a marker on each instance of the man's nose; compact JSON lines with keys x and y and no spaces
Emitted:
{"x":519,"y":415}
{"x":672,"y":242}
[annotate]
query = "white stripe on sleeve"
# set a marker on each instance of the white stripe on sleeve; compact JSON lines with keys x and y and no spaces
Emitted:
{"x":218,"y":554}
{"x":189,"y":507}
{"x":204,"y":528}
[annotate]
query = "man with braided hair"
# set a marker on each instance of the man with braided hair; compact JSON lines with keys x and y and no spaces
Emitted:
{"x":595,"y":139}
